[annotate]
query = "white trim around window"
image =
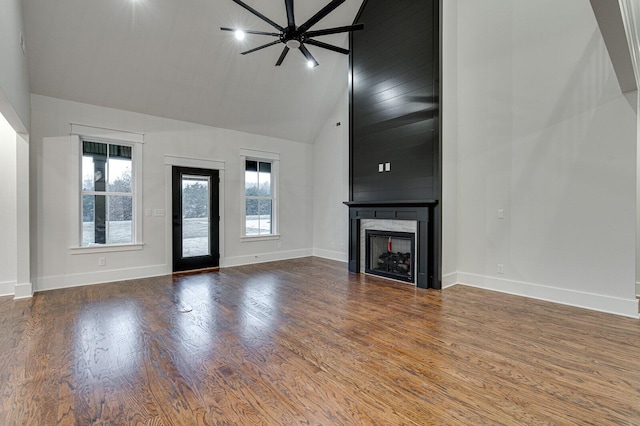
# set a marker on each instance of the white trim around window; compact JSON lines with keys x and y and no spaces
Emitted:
{"x":135,"y":140}
{"x":274,"y":159}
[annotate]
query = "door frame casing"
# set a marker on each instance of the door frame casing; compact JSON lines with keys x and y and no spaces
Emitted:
{"x":169,"y":162}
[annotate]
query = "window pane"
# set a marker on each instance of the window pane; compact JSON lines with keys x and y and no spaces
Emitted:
{"x":93,"y":177}
{"x":251,"y":183}
{"x":251,"y":166}
{"x":265,"y":167}
{"x":119,"y":175}
{"x":119,"y":223}
{"x":264,"y":180}
{"x":88,"y":220}
{"x":252,"y":218}
{"x":265,"y":216}
{"x":88,"y":174}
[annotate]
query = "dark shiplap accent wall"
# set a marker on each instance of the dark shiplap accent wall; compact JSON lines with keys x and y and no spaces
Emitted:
{"x":394,"y":102}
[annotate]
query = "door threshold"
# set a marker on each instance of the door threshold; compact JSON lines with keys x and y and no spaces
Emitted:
{"x":197,"y":271}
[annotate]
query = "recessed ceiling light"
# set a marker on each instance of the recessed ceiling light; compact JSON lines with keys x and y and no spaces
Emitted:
{"x":311,"y":64}
{"x":239,"y":34}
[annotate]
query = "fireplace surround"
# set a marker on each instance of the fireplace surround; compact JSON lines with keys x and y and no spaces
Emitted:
{"x":425,"y":265}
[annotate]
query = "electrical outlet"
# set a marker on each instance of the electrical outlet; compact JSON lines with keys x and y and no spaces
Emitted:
{"x":500,"y":268}
{"x":102,"y":261}
{"x":158,"y":212}
{"x":500,"y":214}
{"x":148,"y":212}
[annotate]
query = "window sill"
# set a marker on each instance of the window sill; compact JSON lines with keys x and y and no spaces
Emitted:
{"x":106,"y":248}
{"x":247,"y":238}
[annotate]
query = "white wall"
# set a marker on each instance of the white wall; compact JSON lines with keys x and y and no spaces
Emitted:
{"x":14,"y":79}
{"x":449,"y":110}
{"x":545,"y":134}
{"x":8,"y":211}
{"x":53,"y":198}
{"x":331,"y":185}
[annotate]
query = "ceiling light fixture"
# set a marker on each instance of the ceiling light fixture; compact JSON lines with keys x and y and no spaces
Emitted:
{"x":298,"y":36}
{"x":293,"y":44}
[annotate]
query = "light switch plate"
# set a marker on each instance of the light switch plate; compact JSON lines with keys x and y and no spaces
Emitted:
{"x":380,"y":168}
{"x":387,"y":167}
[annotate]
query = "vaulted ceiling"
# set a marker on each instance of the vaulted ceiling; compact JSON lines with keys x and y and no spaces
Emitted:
{"x":169,"y":58}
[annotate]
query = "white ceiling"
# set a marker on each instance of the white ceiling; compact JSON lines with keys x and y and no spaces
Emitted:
{"x":169,"y":58}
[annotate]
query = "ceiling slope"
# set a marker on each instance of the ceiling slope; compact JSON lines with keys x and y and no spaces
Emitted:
{"x":170,"y":59}
{"x":611,"y":23}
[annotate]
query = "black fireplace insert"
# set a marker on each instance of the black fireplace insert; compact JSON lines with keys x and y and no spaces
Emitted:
{"x":390,"y":254}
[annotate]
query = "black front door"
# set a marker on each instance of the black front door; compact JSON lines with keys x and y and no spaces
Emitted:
{"x":195,"y":219}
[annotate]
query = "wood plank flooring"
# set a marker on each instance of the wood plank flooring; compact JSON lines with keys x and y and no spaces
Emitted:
{"x":305,"y":342}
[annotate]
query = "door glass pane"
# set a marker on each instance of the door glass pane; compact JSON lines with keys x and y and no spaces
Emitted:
{"x":195,"y":216}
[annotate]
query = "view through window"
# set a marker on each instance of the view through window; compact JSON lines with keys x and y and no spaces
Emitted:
{"x":258,"y":198}
{"x":107,"y":194}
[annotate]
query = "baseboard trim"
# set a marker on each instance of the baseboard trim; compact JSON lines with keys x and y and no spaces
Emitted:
{"x":251,"y":259}
{"x":7,"y":288}
{"x":449,"y":280}
{"x":579,"y":299}
{"x":23,"y":291}
{"x":77,"y":280}
{"x":331,"y":255}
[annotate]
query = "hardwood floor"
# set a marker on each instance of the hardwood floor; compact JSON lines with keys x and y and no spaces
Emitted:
{"x":305,"y":342}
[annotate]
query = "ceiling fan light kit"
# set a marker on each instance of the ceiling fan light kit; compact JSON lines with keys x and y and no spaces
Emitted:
{"x":295,"y":37}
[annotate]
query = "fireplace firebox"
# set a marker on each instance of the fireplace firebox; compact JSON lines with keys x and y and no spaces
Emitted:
{"x":390,"y":254}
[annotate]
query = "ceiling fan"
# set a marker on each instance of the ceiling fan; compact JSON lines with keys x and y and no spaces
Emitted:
{"x":295,"y":37}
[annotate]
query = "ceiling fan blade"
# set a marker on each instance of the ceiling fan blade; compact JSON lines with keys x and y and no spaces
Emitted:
{"x":259,"y":15}
{"x":327,"y":46}
{"x":291,"y":21}
{"x":261,"y":47}
{"x":282,"y":56}
{"x":250,"y":31}
{"x":335,"y":30}
{"x":308,"y":55}
{"x":318,"y":16}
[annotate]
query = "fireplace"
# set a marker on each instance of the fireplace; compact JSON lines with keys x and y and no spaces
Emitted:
{"x":390,"y":254}
{"x":414,"y":217}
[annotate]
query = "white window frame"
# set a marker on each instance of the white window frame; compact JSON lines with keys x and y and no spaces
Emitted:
{"x":79,"y":134}
{"x":265,"y":157}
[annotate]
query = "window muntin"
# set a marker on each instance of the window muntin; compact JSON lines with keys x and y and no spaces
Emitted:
{"x":107,"y":194}
{"x":259,"y":200}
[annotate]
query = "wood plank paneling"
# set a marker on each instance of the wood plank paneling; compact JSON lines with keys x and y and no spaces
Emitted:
{"x":306,"y":342}
{"x":395,"y":101}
